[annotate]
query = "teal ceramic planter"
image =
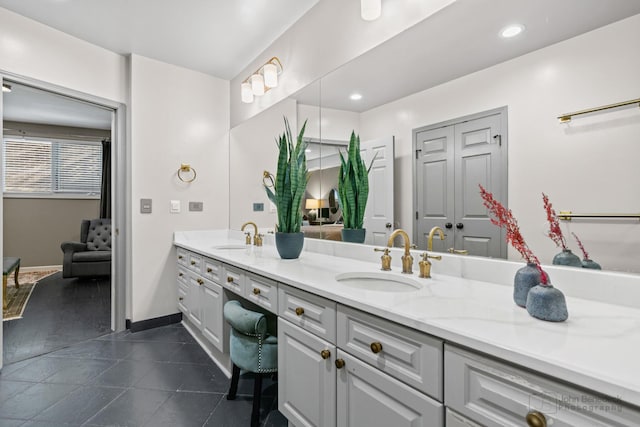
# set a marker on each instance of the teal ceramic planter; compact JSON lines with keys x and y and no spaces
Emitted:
{"x":568,"y":258}
{"x":545,"y":302}
{"x":587,"y":263}
{"x":526,"y":278}
{"x":353,"y":235}
{"x":289,"y":245}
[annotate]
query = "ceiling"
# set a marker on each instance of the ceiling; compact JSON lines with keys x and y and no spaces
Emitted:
{"x":459,"y":40}
{"x":216,"y":37}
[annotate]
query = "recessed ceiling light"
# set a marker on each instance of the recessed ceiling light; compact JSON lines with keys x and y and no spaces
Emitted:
{"x":512,"y":31}
{"x":355,"y":97}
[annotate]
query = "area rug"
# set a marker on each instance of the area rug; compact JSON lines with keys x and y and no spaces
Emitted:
{"x":17,"y":298}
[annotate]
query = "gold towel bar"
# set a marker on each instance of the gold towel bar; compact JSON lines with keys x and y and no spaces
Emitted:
{"x":568,"y":215}
{"x":565,"y":118}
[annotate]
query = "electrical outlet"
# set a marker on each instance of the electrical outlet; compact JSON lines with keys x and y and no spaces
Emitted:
{"x":195,"y":206}
{"x":258,"y":207}
{"x":145,"y":206}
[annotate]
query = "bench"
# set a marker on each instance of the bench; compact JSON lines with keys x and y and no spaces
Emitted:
{"x":9,"y":264}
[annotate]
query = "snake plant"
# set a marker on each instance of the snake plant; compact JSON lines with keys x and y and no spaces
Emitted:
{"x":290,"y":184}
{"x":353,"y":185}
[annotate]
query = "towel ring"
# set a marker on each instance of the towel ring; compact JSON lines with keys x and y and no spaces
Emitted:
{"x":186,"y":168}
{"x":267,"y":175}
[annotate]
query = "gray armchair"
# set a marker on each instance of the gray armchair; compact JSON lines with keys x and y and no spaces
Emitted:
{"x":91,"y":256}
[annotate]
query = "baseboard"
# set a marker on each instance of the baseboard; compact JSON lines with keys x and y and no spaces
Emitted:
{"x":40,"y":268}
{"x":153,"y":323}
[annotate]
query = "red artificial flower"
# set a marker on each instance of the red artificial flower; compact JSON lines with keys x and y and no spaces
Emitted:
{"x":581,"y":246}
{"x":555,"y":232}
{"x":504,"y":218}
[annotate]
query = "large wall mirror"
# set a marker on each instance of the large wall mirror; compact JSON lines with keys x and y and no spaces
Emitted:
{"x":408,"y":85}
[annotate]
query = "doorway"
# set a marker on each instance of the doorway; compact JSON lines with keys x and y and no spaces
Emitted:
{"x":451,"y":159}
{"x":68,"y":126}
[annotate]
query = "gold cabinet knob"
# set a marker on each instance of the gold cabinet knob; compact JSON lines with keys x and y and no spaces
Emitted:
{"x":230,"y":279}
{"x":209,"y":269}
{"x":299,"y":311}
{"x":193,"y":262}
{"x":180,"y":298}
{"x":180,"y":256}
{"x":325,"y":354}
{"x":256,"y":291}
{"x":339,"y":363}
{"x":376,"y":347}
{"x":536,"y":419}
{"x":180,"y":274}
{"x":200,"y":281}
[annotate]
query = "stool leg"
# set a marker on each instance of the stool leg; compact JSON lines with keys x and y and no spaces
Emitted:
{"x":257,"y":396}
{"x":233,"y":388}
{"x":15,"y":277}
{"x":4,"y":291}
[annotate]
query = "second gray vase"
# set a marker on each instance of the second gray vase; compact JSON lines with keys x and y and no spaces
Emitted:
{"x":568,"y":258}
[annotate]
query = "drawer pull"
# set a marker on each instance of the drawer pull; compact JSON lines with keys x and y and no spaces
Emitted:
{"x":376,"y":347}
{"x":180,"y":274}
{"x":180,"y":257}
{"x":180,"y":299}
{"x":200,"y":281}
{"x":209,"y":269}
{"x":230,"y":279}
{"x":536,"y":419}
{"x":299,"y":311}
{"x":339,"y":363}
{"x":193,"y":262}
{"x":256,"y":291}
{"x":325,"y":354}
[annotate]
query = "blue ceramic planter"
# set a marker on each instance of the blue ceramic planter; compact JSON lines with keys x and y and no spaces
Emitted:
{"x":568,"y":258}
{"x":289,"y":245}
{"x":587,"y":263}
{"x":353,"y":235}
{"x":526,"y":278}
{"x":547,"y":303}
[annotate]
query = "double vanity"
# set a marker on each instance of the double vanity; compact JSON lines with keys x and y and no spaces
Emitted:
{"x":358,"y":346}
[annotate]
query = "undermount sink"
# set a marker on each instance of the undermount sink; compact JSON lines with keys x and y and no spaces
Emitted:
{"x":231,"y":246}
{"x":381,"y":281}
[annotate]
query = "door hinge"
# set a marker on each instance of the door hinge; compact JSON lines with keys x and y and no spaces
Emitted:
{"x":498,"y":138}
{"x":419,"y":150}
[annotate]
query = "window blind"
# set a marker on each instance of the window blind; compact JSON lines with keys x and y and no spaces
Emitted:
{"x":52,"y":167}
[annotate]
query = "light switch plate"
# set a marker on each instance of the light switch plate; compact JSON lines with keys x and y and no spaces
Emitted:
{"x":145,"y":206}
{"x":175,"y":206}
{"x":195,"y":206}
{"x":258,"y":207}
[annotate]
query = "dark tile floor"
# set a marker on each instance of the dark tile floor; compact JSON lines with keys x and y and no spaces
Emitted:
{"x":60,"y":312}
{"x":158,"y":377}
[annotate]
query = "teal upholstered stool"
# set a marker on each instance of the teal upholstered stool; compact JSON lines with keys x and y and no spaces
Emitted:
{"x":253,"y":348}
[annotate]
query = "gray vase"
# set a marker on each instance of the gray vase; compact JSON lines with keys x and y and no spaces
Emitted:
{"x":568,"y":258}
{"x":526,"y":278}
{"x":289,"y":245}
{"x":587,"y":263}
{"x":353,"y":235}
{"x":547,"y":303}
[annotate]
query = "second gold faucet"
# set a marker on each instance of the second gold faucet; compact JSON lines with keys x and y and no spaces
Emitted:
{"x":257,"y":238}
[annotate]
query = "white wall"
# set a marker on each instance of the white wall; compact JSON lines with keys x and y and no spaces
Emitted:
{"x":329,"y":35}
{"x":177,"y":116}
{"x":253,"y":150}
{"x":30,"y":49}
{"x":589,"y":165}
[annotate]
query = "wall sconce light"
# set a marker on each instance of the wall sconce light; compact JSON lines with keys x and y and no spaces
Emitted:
{"x":6,"y":87}
{"x":370,"y":10}
{"x":263,"y":79}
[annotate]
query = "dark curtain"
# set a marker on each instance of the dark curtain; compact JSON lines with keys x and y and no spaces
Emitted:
{"x":105,"y":187}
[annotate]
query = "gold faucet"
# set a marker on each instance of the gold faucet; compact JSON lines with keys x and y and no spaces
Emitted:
{"x":257,"y":238}
{"x":430,"y":238}
{"x":407,"y":259}
{"x":425,"y":264}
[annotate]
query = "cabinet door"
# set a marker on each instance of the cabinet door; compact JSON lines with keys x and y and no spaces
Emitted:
{"x":369,"y":397}
{"x":212,"y":318}
{"x":194,"y":299}
{"x":306,"y":380}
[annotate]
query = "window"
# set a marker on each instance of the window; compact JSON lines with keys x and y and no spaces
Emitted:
{"x":40,"y":167}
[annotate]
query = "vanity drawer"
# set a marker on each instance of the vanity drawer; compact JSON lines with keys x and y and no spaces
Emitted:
{"x":262,"y":291}
{"x":494,"y":393}
{"x":233,"y":279}
{"x":212,"y":270}
{"x":311,"y":312}
{"x":413,"y":357}
{"x":183,"y":256}
{"x":195,"y":262}
{"x":182,"y":275}
{"x":182,"y":298}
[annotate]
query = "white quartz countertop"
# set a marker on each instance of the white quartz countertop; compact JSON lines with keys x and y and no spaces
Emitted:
{"x":598,"y":347}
